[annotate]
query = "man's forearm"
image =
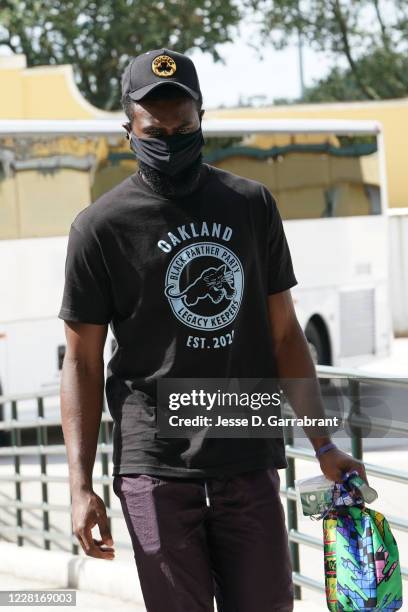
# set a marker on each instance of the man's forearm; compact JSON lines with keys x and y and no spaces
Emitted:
{"x":81,"y":408}
{"x":299,"y":382}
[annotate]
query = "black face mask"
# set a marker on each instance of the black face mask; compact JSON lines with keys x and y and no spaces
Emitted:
{"x":168,"y":154}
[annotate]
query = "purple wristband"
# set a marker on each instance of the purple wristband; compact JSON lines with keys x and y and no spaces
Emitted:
{"x":324,"y":449}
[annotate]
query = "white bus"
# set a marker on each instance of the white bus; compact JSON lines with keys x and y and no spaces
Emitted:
{"x":328,"y":179}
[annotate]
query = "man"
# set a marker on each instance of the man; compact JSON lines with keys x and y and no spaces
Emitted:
{"x":190,"y":266}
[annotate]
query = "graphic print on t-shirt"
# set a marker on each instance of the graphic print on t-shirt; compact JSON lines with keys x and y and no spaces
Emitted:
{"x":204,"y":284}
{"x":204,"y":281}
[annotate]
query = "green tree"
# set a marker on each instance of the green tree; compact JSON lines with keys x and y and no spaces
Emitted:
{"x":340,"y":84}
{"x":99,"y":38}
{"x":369,"y":37}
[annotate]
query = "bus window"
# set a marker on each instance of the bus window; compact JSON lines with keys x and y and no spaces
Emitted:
{"x":311,"y":176}
{"x":46,"y":180}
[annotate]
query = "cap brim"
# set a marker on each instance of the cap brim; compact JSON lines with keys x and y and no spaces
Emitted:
{"x":138,"y":94}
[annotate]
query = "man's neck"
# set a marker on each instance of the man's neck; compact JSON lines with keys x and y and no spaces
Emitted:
{"x":192,"y":188}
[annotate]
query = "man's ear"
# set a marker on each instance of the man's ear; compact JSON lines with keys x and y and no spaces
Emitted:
{"x":128,"y":128}
{"x":202,"y":111}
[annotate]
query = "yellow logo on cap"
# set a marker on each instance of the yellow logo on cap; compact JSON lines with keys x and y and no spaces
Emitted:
{"x":164,"y":65}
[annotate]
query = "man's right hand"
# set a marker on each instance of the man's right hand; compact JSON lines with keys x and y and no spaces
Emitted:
{"x":89,"y":510}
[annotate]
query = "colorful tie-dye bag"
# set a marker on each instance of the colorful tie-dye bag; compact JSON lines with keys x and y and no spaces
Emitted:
{"x":362,"y":570}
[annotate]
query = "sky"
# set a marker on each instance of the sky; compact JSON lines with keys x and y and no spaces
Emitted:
{"x":245,"y":73}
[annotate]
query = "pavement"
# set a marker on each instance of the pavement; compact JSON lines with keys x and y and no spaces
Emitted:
{"x":86,"y":600}
{"x":396,"y":364}
{"x":92,"y":602}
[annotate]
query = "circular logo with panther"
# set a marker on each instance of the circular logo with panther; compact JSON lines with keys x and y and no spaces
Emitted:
{"x":204,"y":285}
{"x":164,"y":66}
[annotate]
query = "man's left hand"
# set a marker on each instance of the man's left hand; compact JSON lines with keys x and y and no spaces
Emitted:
{"x":335,"y":463}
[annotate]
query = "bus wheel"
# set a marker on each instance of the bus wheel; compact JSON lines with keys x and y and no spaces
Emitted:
{"x":316,"y":337}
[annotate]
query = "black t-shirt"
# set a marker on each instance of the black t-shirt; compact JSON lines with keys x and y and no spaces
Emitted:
{"x":166,"y":273}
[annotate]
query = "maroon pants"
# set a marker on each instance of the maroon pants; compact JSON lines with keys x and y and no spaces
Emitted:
{"x":196,"y":539}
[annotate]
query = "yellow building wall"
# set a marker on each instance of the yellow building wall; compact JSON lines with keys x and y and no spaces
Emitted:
{"x":12,"y":94}
{"x":42,"y":92}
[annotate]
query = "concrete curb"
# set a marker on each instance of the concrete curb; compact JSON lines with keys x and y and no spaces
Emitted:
{"x":65,"y":570}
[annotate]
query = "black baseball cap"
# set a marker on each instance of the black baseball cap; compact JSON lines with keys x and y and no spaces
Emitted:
{"x":155,"y":68}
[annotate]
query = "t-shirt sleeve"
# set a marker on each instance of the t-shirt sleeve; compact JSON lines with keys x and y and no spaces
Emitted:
{"x":87,"y":295}
{"x":280,"y":275}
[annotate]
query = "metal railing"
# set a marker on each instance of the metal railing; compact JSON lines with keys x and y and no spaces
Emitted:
{"x":20,"y":512}
{"x":18,"y":525}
